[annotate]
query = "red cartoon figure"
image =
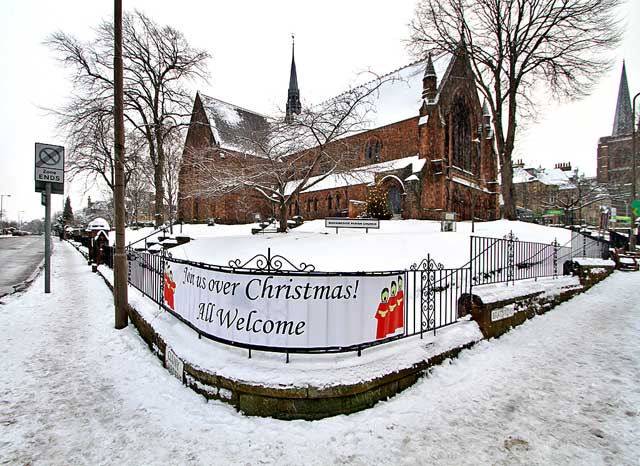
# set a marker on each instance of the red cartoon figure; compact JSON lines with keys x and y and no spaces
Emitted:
{"x":169,"y":287}
{"x":399,"y":312}
{"x":393,"y":309}
{"x":382,"y":315}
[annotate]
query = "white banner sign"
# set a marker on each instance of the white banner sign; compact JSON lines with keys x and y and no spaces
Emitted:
{"x":351,"y":223}
{"x":287,"y":311}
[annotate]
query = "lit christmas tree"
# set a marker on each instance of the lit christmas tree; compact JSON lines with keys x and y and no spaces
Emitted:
{"x":377,"y":205}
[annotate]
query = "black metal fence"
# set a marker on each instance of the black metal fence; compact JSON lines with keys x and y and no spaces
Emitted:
{"x":145,"y":273}
{"x":496,"y":260}
{"x":434,"y":294}
{"x":586,"y":246}
{"x":437,"y":292}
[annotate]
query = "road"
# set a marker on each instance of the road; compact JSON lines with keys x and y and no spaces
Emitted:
{"x":19,"y":256}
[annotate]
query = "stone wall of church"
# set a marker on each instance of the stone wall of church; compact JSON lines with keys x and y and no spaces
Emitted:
{"x":328,"y":202}
{"x":614,"y":159}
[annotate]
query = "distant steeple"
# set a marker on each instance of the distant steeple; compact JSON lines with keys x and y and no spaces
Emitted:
{"x":622,"y":123}
{"x":293,"y":96}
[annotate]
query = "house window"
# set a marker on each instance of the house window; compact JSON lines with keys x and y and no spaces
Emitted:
{"x":372,"y":150}
{"x":308,"y":205}
{"x":337,"y":201}
{"x":315,"y":205}
{"x":329,"y":202}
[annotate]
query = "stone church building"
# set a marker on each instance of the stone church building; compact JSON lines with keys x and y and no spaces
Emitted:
{"x":614,"y":151}
{"x":428,"y":148}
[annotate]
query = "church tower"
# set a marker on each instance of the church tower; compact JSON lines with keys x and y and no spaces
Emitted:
{"x":622,"y":123}
{"x":293,"y":97}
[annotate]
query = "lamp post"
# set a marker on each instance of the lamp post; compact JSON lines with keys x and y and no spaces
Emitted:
{"x":632,"y":239}
{"x":2,"y":196}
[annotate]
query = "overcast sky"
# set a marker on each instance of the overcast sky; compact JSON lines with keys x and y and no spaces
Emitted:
{"x":249,"y":42}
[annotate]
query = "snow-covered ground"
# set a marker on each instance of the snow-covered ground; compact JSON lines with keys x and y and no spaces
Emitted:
{"x":561,"y":389}
{"x":395,"y":246}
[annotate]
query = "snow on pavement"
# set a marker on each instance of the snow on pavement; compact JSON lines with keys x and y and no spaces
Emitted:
{"x":561,"y":389}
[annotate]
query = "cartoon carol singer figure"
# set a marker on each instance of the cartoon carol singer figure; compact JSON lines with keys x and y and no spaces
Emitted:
{"x":169,"y":287}
{"x":393,"y":306}
{"x":399,"y":315}
{"x":382,"y":315}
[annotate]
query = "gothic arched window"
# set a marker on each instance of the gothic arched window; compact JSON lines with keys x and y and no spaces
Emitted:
{"x":372,"y":150}
{"x":461,"y":135}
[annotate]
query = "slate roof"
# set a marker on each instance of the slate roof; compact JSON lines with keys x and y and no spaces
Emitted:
{"x":233,"y":127}
{"x":400,"y":95}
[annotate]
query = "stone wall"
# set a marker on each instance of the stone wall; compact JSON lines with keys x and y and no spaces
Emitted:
{"x":497,"y":318}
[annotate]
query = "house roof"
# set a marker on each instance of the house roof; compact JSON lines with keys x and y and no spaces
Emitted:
{"x":548,"y":176}
{"x":233,"y":127}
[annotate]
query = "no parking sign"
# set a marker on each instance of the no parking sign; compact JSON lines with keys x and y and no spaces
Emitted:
{"x":49,"y":168}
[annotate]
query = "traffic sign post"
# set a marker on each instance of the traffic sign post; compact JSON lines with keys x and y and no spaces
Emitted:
{"x":49,"y":178}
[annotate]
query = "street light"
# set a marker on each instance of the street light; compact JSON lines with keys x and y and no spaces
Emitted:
{"x":2,"y":196}
{"x":632,"y":239}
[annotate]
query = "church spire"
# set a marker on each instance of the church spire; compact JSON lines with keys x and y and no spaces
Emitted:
{"x":293,"y":95}
{"x":429,"y":81}
{"x":622,"y":123}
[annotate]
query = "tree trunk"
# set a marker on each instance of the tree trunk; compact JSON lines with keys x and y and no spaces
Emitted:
{"x":159,"y":196}
{"x":158,"y":182}
{"x":508,"y":194}
{"x":283,"y":217}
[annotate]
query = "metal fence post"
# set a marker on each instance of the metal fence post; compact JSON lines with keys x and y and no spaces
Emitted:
{"x":471,"y":256}
{"x":163,"y":267}
{"x":555,"y":245}
{"x":511,"y":238}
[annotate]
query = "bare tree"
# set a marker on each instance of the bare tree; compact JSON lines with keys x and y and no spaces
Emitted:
{"x":157,"y":62}
{"x":291,"y":155}
{"x":137,"y":196}
{"x":514,"y":46}
{"x":174,"y":143}
{"x":583,"y":193}
{"x":88,"y":125}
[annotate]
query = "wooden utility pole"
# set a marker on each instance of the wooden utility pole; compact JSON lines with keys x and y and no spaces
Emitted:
{"x":120,"y":257}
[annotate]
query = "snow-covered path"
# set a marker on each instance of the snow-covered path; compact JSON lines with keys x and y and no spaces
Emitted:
{"x":562,"y":389}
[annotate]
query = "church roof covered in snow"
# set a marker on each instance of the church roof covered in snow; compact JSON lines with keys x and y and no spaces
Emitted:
{"x":399,"y":97}
{"x":360,"y":175}
{"x":234,"y":128}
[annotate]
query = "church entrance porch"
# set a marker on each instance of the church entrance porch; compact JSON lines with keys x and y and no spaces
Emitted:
{"x":394,"y":201}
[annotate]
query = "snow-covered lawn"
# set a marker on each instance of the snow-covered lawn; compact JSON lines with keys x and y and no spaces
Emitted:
{"x":395,"y":246}
{"x":561,"y":389}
